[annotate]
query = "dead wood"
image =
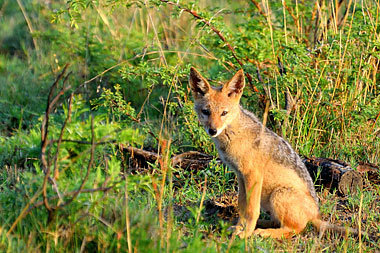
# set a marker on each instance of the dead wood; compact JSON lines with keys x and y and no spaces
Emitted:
{"x":142,"y":154}
{"x":191,"y":160}
{"x":334,"y":174}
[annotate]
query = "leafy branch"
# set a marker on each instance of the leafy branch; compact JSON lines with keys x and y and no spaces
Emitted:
{"x":46,"y":157}
{"x":220,"y":35}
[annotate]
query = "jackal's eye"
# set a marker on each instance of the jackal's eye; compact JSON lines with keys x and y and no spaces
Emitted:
{"x":206,"y":112}
{"x":224,"y":113}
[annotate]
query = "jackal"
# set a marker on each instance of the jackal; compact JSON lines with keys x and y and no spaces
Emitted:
{"x":270,"y":173}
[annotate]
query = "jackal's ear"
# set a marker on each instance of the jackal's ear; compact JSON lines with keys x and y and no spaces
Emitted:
{"x":236,"y":85}
{"x":199,"y":85}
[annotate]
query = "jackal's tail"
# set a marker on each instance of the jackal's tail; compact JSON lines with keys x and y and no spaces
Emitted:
{"x":323,"y":226}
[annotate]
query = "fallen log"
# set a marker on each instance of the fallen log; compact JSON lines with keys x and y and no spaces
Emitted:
{"x":191,"y":160}
{"x":334,"y":174}
{"x":330,"y":173}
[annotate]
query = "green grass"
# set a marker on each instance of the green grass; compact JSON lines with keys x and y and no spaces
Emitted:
{"x":129,"y":64}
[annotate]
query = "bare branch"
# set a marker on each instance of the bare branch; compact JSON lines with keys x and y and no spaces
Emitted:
{"x":220,"y":35}
{"x":29,"y":24}
{"x":295,"y":19}
{"x":259,"y":8}
{"x":68,"y":118}
{"x":86,"y":142}
{"x":89,"y":166}
{"x":44,"y":132}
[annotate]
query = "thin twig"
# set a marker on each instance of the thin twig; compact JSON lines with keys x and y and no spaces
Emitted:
{"x":28,"y":23}
{"x":137,"y":120}
{"x":44,"y":134}
{"x":259,"y":8}
{"x":87,"y":142}
{"x":295,"y":20}
{"x":68,"y":118}
{"x":89,"y":166}
{"x":60,"y":93}
{"x":131,"y":59}
{"x":55,"y":187}
{"x":45,"y":122}
{"x":220,"y":35}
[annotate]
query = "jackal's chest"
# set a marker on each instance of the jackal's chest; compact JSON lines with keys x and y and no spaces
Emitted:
{"x":231,"y":161}
{"x":233,"y":151}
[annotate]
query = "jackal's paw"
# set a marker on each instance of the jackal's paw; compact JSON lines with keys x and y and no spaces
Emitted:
{"x":240,"y":231}
{"x":237,"y":230}
{"x":262,"y":232}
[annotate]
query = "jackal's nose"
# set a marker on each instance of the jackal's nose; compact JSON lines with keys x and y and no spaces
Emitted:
{"x":212,"y":131}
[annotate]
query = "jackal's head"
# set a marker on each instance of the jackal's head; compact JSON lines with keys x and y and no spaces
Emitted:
{"x":216,"y":107}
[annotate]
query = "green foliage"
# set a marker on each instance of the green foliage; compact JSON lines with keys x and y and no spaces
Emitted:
{"x":114,"y":103}
{"x":73,"y":157}
{"x":21,"y":149}
{"x":131,"y":61}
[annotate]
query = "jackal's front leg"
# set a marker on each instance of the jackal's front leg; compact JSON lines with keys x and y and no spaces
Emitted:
{"x":249,"y":203}
{"x":242,"y":203}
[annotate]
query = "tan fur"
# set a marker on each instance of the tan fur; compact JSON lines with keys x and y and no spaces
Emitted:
{"x":270,"y":174}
